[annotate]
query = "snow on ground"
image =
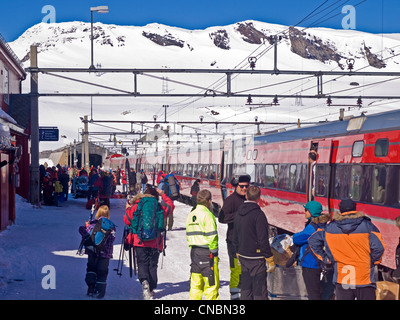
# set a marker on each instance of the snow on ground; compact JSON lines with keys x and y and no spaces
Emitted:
{"x":46,"y":239}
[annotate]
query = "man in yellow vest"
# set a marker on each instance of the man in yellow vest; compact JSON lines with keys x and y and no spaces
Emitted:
{"x":202,"y":238}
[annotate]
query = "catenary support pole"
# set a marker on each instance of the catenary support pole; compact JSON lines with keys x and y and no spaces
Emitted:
{"x":34,"y":189}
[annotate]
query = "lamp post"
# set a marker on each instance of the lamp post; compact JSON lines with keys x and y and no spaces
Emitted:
{"x":99,"y":9}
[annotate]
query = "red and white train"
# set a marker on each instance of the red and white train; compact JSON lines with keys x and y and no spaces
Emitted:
{"x":358,"y":158}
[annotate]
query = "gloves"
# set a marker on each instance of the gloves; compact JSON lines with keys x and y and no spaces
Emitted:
{"x":270,"y":264}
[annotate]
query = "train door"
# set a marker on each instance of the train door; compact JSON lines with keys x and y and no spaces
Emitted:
{"x":319,"y":172}
{"x":226,"y":167}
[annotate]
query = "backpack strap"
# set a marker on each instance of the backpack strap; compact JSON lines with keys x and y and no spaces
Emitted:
{"x":308,"y":249}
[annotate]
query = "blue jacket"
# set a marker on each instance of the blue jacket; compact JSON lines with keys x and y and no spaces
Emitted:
{"x":306,"y":257}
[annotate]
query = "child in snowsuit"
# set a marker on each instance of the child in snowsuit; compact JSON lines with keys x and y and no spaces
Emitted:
{"x":97,"y":265}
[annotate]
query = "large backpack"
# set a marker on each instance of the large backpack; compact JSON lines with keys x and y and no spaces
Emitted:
{"x":171,"y":187}
{"x":99,"y":235}
{"x":148,"y":219}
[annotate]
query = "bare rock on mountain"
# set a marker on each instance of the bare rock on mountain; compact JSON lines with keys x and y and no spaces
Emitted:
{"x":221,"y":39}
{"x":166,"y":40}
{"x":311,"y":47}
{"x":250,"y":33}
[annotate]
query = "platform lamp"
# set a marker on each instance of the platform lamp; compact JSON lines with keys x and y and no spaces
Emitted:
{"x":99,"y":9}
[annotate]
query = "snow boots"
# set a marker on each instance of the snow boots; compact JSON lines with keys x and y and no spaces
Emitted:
{"x":96,"y":289}
{"x":147,"y":294}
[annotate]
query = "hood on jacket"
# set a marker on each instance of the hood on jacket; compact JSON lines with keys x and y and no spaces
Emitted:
{"x":247,"y":207}
{"x":349,"y":221}
{"x":138,"y":197}
{"x":322,"y":219}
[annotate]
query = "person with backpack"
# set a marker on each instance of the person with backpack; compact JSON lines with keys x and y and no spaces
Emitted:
{"x":147,"y":239}
{"x":98,"y":236}
{"x":310,"y":266}
{"x":170,"y":185}
{"x":354,"y":245}
{"x":202,"y":238}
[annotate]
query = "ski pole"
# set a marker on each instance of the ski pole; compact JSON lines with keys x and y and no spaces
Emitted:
{"x":130,"y":261}
{"x":121,"y":254}
{"x":134,"y":261}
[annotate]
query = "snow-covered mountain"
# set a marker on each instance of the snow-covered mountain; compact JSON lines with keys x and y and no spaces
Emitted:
{"x":222,"y":47}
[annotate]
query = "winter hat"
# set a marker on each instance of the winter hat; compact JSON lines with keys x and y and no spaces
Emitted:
{"x":314,"y":207}
{"x":245,"y":178}
{"x":347,"y":205}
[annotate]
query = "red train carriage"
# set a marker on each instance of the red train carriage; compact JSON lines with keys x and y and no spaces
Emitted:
{"x":357,"y":158}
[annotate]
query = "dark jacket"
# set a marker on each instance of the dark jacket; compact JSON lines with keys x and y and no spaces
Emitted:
{"x":194,"y":190}
{"x":228,"y":212}
{"x":250,"y":236}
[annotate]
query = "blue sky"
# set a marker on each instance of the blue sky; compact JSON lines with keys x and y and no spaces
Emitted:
{"x":374,"y":16}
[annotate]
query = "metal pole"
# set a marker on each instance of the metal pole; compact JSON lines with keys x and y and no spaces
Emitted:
{"x":276,"y":54}
{"x":34,"y":101}
{"x":75,"y":164}
{"x":83,"y":158}
{"x":91,"y":40}
{"x":86,"y":142}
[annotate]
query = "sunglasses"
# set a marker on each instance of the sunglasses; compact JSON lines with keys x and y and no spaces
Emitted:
{"x":243,"y":186}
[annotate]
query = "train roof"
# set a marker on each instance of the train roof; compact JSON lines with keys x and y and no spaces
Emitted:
{"x":385,"y":121}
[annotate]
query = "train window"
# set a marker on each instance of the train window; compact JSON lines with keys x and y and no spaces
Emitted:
{"x":255,"y":153}
{"x":283,"y":177}
{"x":260,"y":180}
{"x":392,"y":185}
{"x":355,"y":186}
{"x":212,"y":174}
{"x":379,"y":184}
{"x":292,"y":176}
{"x":195,"y":170}
{"x":248,"y":154}
{"x":250,"y":169}
{"x":322,"y":178}
{"x":381,"y":147}
{"x":342,"y":181}
{"x":301,"y":177}
{"x":271,"y":175}
{"x":358,"y":149}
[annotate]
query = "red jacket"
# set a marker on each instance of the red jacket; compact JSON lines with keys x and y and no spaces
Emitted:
{"x":167,"y":205}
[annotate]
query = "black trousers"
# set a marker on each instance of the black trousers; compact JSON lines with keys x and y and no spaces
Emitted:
{"x":313,"y":283}
{"x":96,"y":270}
{"x":253,"y":280}
{"x":364,"y":293}
{"x":147,"y":263}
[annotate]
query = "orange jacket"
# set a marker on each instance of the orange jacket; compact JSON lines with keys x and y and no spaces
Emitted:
{"x":353,"y":244}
